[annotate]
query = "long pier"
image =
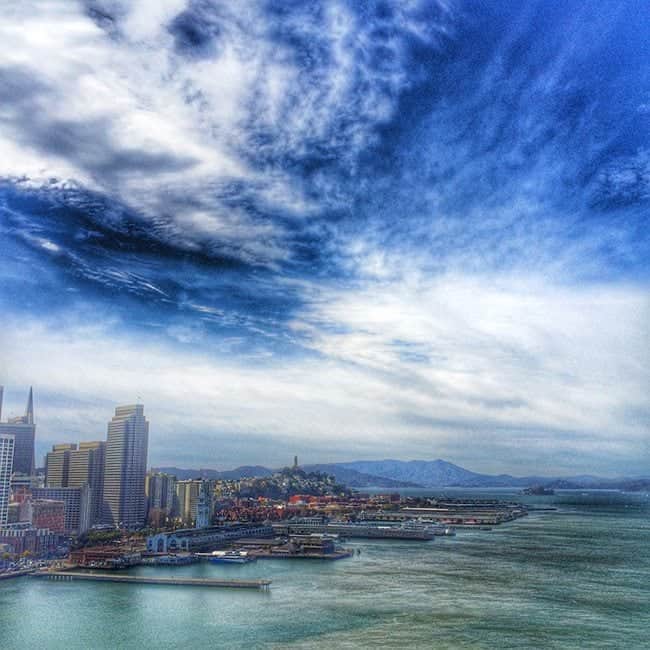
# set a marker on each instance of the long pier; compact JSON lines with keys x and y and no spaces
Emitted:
{"x":6,"y":575}
{"x":148,"y":580}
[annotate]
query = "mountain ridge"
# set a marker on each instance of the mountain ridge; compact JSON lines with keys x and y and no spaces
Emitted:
{"x":441,"y":473}
{"x":438,"y":473}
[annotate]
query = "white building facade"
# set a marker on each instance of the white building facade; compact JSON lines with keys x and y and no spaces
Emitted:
{"x":6,"y":467}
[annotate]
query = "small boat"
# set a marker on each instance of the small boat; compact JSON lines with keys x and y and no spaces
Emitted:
{"x":539,"y":490}
{"x":231,"y":557}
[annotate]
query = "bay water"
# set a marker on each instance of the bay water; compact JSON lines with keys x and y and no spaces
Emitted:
{"x":577,"y":577}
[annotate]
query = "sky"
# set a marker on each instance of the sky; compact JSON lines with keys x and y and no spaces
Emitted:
{"x":341,"y":229}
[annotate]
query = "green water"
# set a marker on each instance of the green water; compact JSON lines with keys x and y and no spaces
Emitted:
{"x":575,"y":578}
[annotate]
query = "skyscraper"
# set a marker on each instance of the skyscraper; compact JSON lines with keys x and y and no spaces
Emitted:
{"x":23,"y":429}
{"x":87,"y":468}
{"x":6,"y":464}
{"x":57,"y":465}
{"x":188,"y":499}
{"x":160,"y":489}
{"x":69,"y":466}
{"x":125,"y":467}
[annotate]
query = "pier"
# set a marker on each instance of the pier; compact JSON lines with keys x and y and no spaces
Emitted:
{"x":6,"y":575}
{"x":149,"y":580}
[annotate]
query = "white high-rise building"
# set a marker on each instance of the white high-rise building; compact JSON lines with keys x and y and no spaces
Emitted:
{"x":6,"y":466}
{"x":126,"y":467}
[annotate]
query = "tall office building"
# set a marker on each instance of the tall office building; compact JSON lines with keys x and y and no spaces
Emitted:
{"x":160,"y":489}
{"x":188,"y":500}
{"x":125,"y":467}
{"x":24,"y":430}
{"x":57,"y":465}
{"x":87,"y":468}
{"x":6,"y":464}
{"x":70,"y":466}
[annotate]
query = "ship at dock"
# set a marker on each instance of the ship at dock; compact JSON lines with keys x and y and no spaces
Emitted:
{"x":351,"y":530}
{"x":228,"y":557}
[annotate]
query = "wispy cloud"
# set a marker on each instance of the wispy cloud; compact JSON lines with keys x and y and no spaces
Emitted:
{"x":419,"y":370}
{"x":176,"y":108}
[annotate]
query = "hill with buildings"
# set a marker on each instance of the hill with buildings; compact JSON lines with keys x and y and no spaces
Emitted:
{"x":344,"y":475}
{"x":393,"y":474}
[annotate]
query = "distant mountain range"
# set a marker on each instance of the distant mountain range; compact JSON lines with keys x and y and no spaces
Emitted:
{"x":245,"y":471}
{"x":354,"y":478}
{"x":441,"y":473}
{"x":349,"y":477}
{"x":419,"y":473}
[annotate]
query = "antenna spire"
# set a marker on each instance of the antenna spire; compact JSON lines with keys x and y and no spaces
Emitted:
{"x":29,"y":411}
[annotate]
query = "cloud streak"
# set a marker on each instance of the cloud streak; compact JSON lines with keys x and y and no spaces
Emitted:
{"x":424,"y":368}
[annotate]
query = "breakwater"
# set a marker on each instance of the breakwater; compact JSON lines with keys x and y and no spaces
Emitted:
{"x":148,"y":580}
{"x":7,"y":575}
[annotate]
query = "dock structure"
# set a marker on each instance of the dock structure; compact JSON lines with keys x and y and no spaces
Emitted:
{"x":16,"y":574}
{"x":304,"y":526}
{"x":149,"y":580}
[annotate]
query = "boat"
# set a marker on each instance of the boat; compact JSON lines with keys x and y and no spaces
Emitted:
{"x":169,"y":560}
{"x":539,"y":490}
{"x":350,"y":530}
{"x":231,"y":557}
{"x":435,"y":529}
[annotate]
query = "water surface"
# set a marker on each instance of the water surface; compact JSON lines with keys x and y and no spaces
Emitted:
{"x":578,"y":577}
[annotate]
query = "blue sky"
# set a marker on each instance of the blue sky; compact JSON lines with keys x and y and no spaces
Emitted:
{"x":339,"y":229}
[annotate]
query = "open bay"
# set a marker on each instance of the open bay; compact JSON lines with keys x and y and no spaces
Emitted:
{"x":577,"y":577}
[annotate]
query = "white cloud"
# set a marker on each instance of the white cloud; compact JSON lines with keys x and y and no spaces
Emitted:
{"x":103,"y":98}
{"x":497,"y":352}
{"x":497,"y":374}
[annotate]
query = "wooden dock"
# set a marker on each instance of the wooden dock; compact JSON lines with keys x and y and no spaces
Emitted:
{"x":149,"y":580}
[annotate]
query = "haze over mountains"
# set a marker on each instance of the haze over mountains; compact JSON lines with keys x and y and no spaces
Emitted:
{"x":419,"y":473}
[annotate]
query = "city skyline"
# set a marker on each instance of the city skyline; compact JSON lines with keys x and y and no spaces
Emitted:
{"x":74,"y":464}
{"x":343,"y":230}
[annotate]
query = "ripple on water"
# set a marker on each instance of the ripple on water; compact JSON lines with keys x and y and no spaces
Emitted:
{"x":576,"y":578}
